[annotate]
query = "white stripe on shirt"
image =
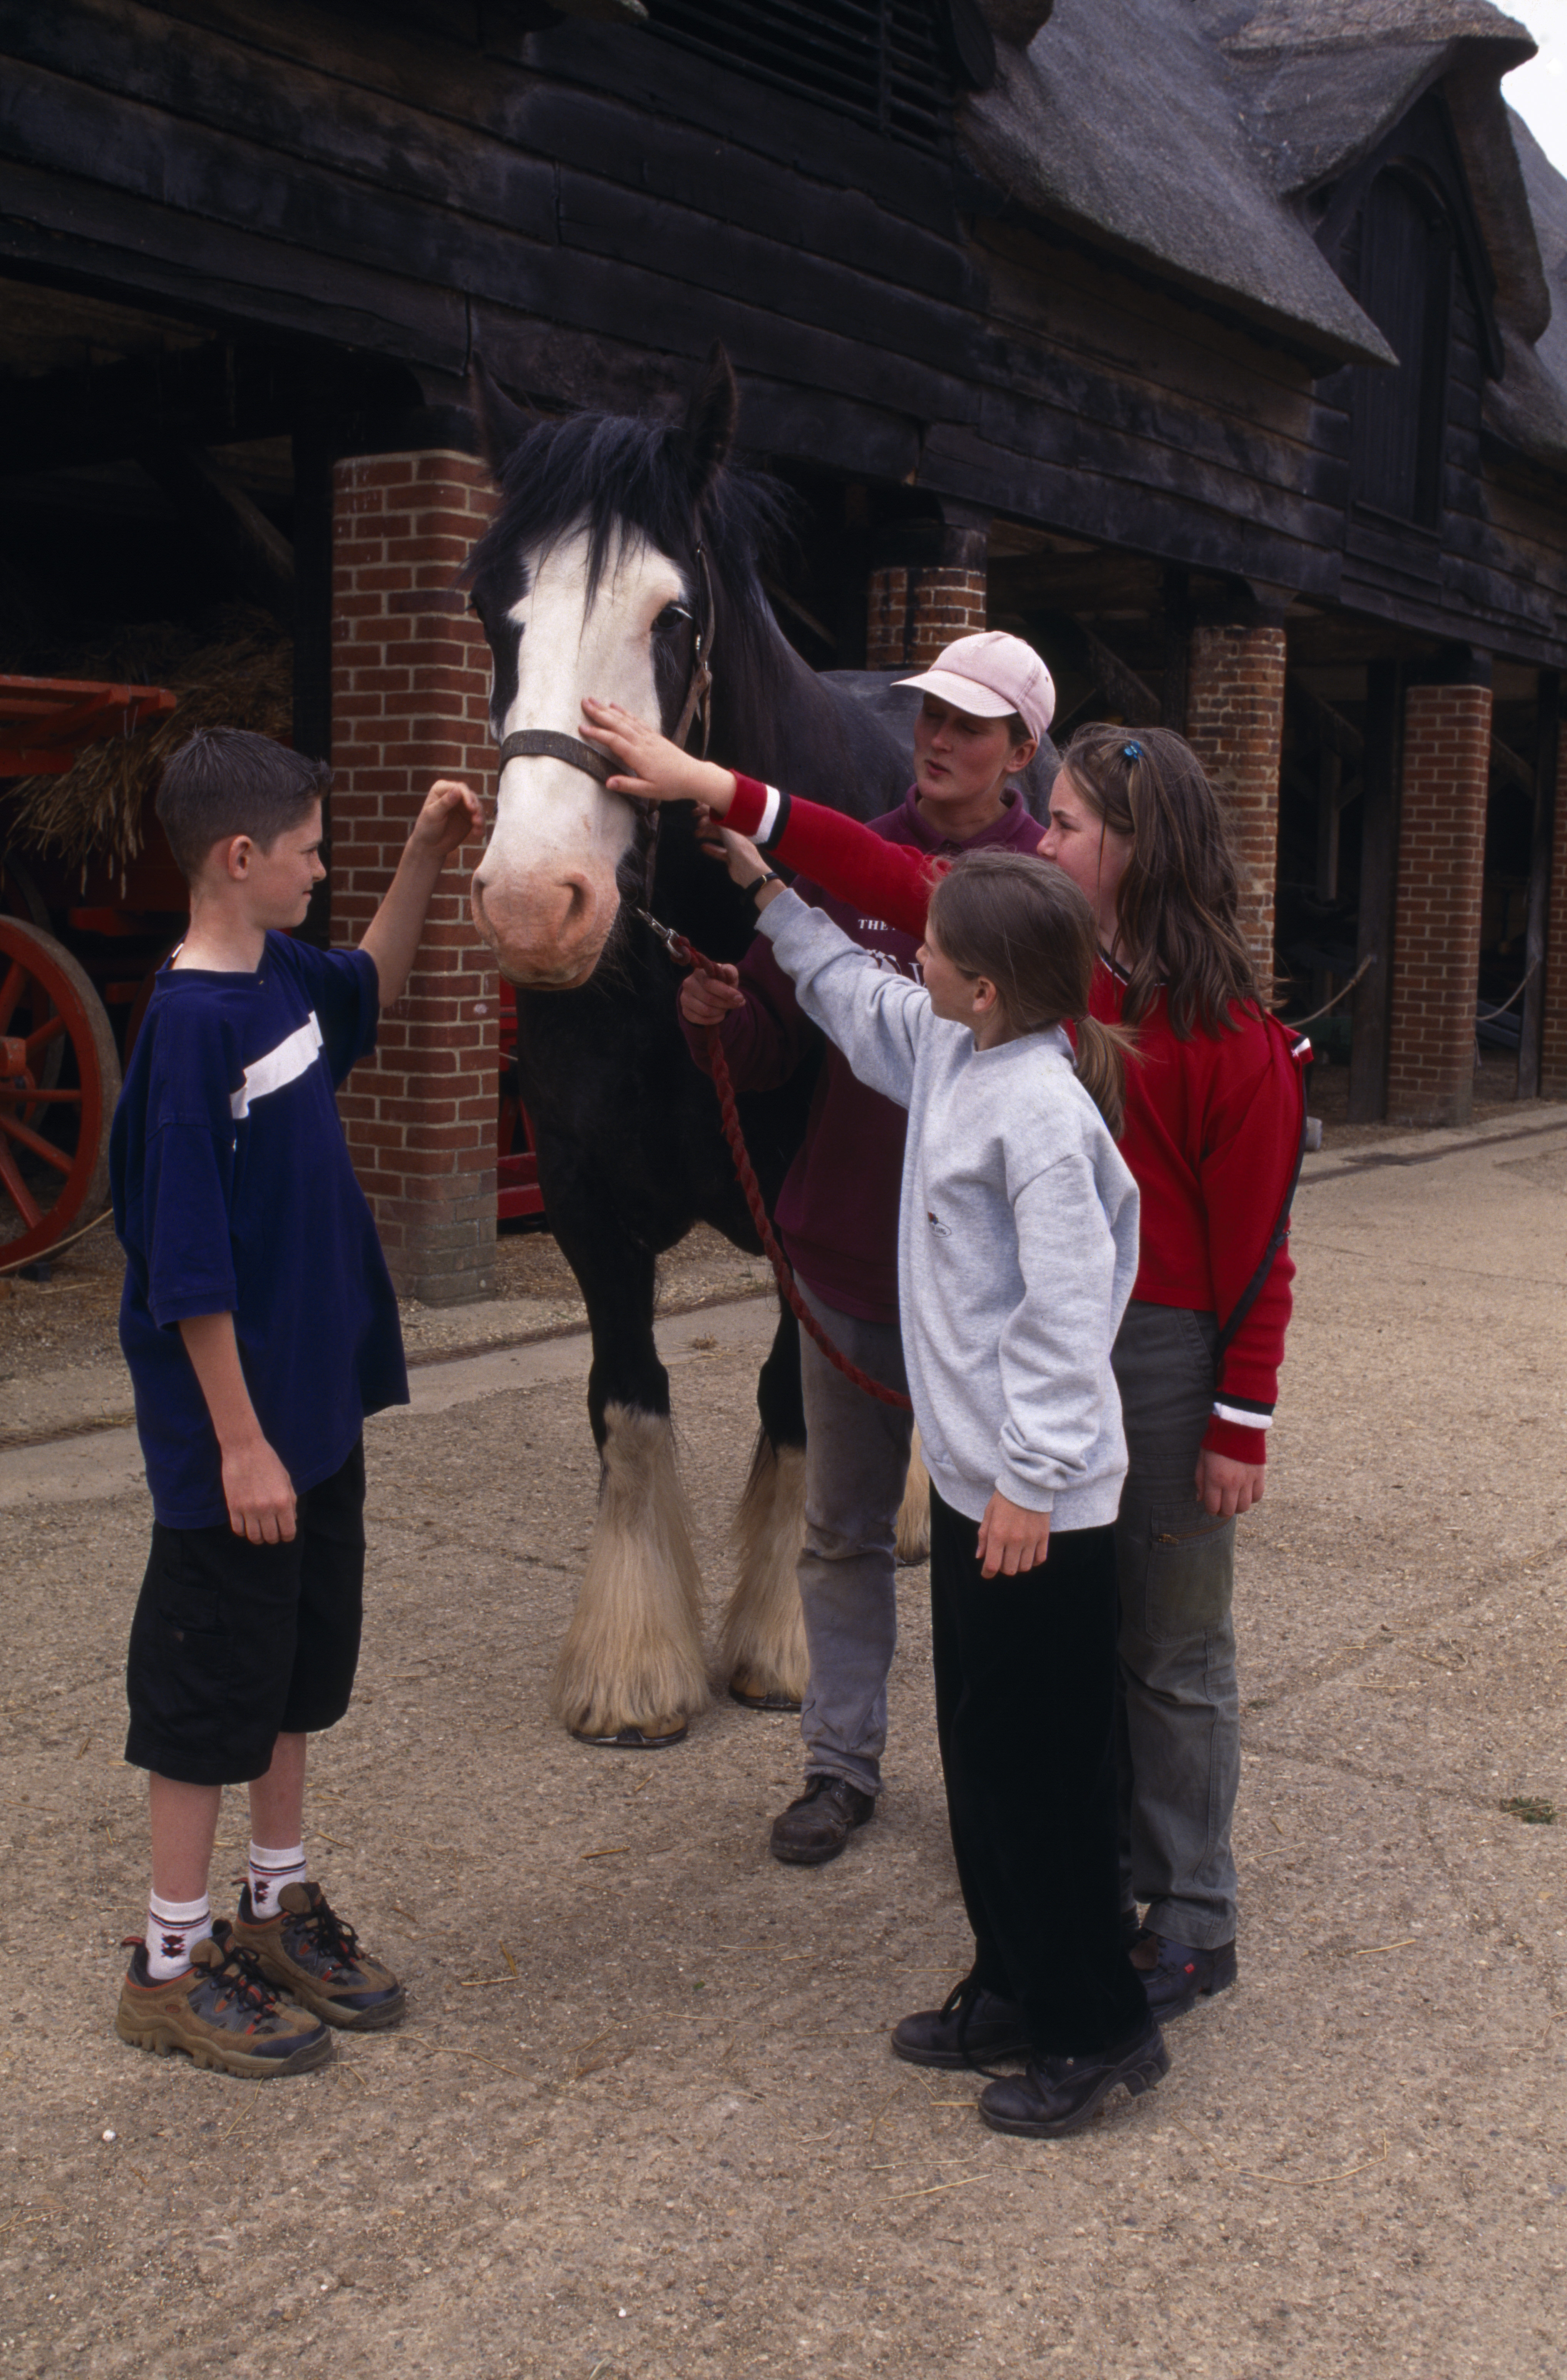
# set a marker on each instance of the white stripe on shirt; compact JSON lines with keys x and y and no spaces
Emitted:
{"x":769,"y":819}
{"x":291,"y":1059}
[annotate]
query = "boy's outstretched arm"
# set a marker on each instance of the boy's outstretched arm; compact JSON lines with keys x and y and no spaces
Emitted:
{"x":256,"y":1487}
{"x":450,"y":815}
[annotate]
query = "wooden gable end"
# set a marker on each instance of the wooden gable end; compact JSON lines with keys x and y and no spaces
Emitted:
{"x":1420,"y":544}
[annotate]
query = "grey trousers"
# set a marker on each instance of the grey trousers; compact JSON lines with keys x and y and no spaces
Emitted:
{"x":857,"y":1458}
{"x":1178,"y":1719}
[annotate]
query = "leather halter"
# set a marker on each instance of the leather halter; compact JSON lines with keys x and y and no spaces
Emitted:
{"x":548,"y":743}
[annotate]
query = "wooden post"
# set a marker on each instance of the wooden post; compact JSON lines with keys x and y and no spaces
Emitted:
{"x":1379,"y":863}
{"x":1547,"y":740}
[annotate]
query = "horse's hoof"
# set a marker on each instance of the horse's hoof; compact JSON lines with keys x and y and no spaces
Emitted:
{"x":636,"y":1739}
{"x":776,"y":1701}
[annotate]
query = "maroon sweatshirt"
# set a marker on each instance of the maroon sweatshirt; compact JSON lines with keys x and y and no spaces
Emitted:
{"x":838,"y":1210}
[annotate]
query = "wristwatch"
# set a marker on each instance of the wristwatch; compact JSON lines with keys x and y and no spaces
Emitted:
{"x":769,"y":876}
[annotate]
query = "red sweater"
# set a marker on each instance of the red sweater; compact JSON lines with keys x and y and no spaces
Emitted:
{"x":838,"y":1210}
{"x":1214,"y":1125}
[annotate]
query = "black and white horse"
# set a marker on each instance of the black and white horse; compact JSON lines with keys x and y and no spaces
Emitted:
{"x":624,"y":553}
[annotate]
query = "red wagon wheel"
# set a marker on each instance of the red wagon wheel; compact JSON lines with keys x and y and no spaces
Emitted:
{"x":59,"y":1078}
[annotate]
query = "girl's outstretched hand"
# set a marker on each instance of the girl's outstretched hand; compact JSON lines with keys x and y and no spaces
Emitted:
{"x":651,"y":768}
{"x":1012,"y":1538}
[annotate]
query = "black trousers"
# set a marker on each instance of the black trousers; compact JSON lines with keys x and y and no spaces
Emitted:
{"x":1025,"y":1712}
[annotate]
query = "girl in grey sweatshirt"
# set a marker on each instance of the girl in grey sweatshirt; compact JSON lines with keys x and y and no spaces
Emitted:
{"x":1017,"y":1250}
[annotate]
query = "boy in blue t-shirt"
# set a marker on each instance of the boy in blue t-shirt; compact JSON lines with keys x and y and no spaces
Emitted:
{"x":261,"y":1327}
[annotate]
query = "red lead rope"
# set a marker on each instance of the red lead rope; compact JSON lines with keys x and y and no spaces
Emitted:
{"x":686,"y":954}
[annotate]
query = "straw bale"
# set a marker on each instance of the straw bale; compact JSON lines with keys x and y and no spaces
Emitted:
{"x":233,"y":669}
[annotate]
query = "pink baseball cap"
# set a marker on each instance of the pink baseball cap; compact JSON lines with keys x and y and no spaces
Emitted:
{"x":990,"y":676}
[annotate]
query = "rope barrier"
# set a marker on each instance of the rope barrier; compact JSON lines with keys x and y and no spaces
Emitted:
{"x":1298,"y":1024}
{"x":47,"y":1256}
{"x":1484,"y":1015}
{"x":686,"y":954}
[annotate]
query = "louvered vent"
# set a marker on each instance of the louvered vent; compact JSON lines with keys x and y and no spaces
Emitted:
{"x":880,"y":61}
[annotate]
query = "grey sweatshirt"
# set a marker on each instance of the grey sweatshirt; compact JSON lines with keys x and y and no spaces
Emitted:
{"x":1017,"y":1235}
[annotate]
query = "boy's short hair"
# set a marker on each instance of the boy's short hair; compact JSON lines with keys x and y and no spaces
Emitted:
{"x":227,"y":781}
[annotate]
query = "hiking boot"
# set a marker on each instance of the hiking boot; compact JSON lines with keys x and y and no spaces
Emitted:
{"x":971,"y":2025}
{"x":1175,"y":1978}
{"x":306,"y":1949}
{"x":1058,"y":2095}
{"x":222,"y":2012}
{"x":817,"y":1825}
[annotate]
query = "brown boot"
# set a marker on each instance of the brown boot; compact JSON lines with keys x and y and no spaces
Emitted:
{"x":221,"y":2012}
{"x":307,"y":1951}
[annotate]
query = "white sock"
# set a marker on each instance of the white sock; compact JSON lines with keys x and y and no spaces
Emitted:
{"x":171,"y":1927}
{"x":270,"y":1871}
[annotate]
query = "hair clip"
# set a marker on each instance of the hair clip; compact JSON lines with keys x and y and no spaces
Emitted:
{"x":1130,"y":751}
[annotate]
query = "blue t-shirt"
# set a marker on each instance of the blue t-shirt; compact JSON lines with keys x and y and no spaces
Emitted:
{"x":234,"y":1193}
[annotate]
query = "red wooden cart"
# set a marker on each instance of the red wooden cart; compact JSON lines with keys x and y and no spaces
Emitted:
{"x":71,"y":1001}
{"x":60,"y":1056}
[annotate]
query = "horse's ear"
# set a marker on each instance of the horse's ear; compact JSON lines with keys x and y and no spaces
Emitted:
{"x":502,"y":425}
{"x":711,"y":415}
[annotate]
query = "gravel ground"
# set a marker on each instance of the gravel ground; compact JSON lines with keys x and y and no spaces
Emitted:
{"x":641,"y":2121}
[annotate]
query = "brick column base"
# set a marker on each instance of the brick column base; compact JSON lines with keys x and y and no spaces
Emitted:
{"x":913,"y":612}
{"x":1234,"y":724}
{"x":1442,"y":849}
{"x":1553,"y":1017}
{"x":411,"y":703}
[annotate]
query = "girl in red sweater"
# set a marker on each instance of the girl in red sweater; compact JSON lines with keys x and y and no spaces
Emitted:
{"x":1215,"y":1123}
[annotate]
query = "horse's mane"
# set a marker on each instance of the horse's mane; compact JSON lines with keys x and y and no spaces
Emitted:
{"x":618,"y":477}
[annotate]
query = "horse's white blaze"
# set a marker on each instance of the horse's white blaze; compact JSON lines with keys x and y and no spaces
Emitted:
{"x":544,"y":893}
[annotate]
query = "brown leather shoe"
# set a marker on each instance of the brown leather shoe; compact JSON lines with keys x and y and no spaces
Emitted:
{"x":816,"y":1826}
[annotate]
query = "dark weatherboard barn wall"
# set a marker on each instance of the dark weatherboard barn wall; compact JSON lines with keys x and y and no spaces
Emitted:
{"x":592,"y":205}
{"x":1097,"y":315}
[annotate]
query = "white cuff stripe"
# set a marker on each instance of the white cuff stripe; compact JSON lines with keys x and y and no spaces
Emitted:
{"x":291,"y":1058}
{"x":769,"y":817}
{"x":1244,"y":1415}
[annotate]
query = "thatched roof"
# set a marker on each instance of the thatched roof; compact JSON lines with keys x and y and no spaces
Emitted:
{"x":1120,"y":120}
{"x":1187,"y":132}
{"x":233,"y":670}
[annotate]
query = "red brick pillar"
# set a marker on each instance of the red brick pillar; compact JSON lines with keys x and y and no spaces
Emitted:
{"x":1235,"y":724}
{"x":1442,"y":848}
{"x":927,"y":589}
{"x":1553,"y":1020}
{"x":410,"y":703}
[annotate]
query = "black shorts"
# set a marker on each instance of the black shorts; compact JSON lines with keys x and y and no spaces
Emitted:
{"x":234,"y":1645}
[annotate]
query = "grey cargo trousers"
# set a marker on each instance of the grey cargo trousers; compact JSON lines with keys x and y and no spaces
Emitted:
{"x":1178,"y":1721}
{"x":857,"y":1458}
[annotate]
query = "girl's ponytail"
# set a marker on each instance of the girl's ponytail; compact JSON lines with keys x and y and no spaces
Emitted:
{"x":1102,"y":1051}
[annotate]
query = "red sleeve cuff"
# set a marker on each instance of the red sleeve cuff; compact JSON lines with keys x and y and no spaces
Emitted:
{"x":745,"y":812}
{"x":1230,"y":1438}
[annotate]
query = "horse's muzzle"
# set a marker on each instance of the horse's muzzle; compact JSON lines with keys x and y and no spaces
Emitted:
{"x":548,"y":932}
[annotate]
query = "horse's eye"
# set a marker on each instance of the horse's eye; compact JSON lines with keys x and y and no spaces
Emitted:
{"x":665,"y":623}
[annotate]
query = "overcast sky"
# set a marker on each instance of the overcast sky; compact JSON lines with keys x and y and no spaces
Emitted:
{"x":1540,"y":89}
